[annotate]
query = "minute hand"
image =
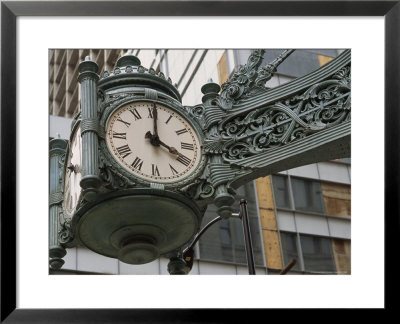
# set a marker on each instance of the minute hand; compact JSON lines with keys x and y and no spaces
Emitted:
{"x":155,"y":119}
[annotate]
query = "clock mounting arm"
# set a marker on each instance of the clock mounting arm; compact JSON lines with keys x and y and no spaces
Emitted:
{"x":253,"y":131}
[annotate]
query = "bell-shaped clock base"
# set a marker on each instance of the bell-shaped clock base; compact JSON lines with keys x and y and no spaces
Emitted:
{"x":137,"y":226}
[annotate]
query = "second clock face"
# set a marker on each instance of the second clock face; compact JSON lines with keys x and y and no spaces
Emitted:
{"x":72,"y":189}
{"x":153,"y":142}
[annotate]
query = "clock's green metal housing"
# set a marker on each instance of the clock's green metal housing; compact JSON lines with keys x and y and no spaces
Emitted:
{"x":137,"y":225}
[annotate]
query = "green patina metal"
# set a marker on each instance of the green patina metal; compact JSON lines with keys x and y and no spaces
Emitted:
{"x":246,"y":131}
{"x":57,"y":158}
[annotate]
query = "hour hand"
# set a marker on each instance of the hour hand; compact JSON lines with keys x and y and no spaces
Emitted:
{"x":154,"y":140}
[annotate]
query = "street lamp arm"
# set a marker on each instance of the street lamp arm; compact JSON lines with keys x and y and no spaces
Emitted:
{"x":206,"y":227}
{"x":188,"y":253}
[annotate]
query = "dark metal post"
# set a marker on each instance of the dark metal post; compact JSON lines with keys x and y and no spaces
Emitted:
{"x":247,"y":237}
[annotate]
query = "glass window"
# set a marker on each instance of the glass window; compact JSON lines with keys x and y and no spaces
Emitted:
{"x":224,"y":240}
{"x":317,"y":254}
{"x":281,"y":191}
{"x":290,"y":250}
{"x":307,"y":195}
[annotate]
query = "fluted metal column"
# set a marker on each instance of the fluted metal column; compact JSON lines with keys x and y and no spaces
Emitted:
{"x":88,"y":78}
{"x":223,"y":198}
{"x":57,"y":160}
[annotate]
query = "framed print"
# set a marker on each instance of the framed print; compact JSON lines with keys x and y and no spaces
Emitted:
{"x":191,"y":24}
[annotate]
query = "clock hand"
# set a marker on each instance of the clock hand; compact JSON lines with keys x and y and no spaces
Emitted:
{"x":170,"y":148}
{"x":155,"y":119}
{"x":156,"y":139}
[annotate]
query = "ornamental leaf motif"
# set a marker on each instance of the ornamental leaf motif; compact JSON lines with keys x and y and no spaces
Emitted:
{"x":111,"y":179}
{"x":241,"y":81}
{"x":249,"y":80}
{"x":65,"y":234}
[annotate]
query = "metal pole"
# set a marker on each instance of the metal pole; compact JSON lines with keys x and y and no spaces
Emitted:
{"x":203,"y":230}
{"x":288,"y":267}
{"x":247,"y":237}
{"x":188,"y":253}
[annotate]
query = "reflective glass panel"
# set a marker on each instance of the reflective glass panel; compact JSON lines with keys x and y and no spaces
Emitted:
{"x":281,"y":191}
{"x":317,"y":254}
{"x":307,"y":195}
{"x":289,"y":249}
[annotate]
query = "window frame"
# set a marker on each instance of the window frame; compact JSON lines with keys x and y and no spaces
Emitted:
{"x":291,"y":197}
{"x":292,"y":209}
{"x":300,"y":260}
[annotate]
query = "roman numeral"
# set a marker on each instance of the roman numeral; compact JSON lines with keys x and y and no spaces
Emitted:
{"x":119,"y":135}
{"x":181,"y":131}
{"x":169,"y":118}
{"x":136,"y":114}
{"x":187,"y":146}
{"x":137,"y":164}
{"x":184,"y":160}
{"x":124,"y":151}
{"x":150,"y":112}
{"x":123,"y":121}
{"x":154,"y":170}
{"x":173,"y":170}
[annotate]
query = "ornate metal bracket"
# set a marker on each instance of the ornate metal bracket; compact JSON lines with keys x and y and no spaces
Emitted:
{"x":252,"y":131}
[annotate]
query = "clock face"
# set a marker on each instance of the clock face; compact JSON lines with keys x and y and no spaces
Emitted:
{"x":73,"y":174}
{"x":153,"y":142}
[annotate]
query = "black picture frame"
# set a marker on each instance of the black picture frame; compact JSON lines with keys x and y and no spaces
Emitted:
{"x":10,"y":10}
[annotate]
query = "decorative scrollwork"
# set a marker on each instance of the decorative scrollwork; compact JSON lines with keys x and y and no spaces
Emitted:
{"x":241,"y":81}
{"x":267,"y":71}
{"x":111,"y":179}
{"x":324,"y":104}
{"x":204,"y":190}
{"x":61,"y":163}
{"x":249,"y":79}
{"x":197,"y":112}
{"x":65,"y":234}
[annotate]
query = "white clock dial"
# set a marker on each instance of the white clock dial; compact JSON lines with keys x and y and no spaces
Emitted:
{"x":72,"y":189}
{"x":153,"y":142}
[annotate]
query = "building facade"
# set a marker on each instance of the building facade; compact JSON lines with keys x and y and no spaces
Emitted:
{"x":302,"y":213}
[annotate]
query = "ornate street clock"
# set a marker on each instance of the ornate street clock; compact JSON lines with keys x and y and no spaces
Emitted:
{"x":140,"y":168}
